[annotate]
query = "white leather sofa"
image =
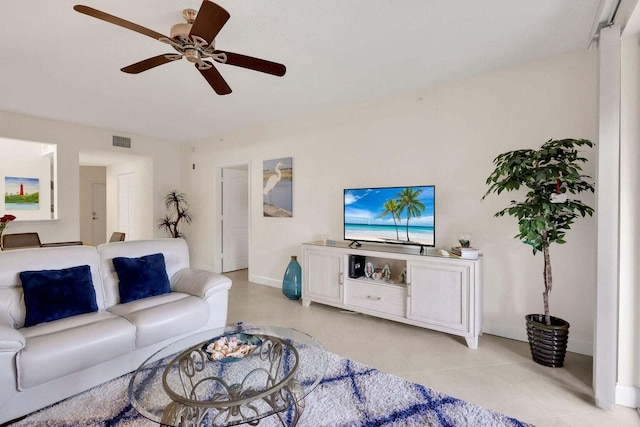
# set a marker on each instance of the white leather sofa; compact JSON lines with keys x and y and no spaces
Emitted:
{"x":48,"y":362}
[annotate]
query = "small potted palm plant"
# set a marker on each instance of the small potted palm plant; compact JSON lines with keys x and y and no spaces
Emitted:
{"x":178,"y":207}
{"x":550,"y":174}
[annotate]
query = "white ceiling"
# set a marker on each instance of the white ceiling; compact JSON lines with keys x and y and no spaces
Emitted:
{"x":60,"y":64}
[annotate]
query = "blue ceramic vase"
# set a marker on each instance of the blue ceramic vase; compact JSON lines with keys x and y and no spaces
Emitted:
{"x":292,"y":281}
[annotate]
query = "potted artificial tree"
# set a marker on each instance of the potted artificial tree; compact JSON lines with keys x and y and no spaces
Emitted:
{"x":550,"y":175}
{"x":176,"y":203}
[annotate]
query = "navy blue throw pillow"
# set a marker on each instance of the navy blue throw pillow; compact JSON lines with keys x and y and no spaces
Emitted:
{"x":141,"y":277}
{"x":56,"y":294}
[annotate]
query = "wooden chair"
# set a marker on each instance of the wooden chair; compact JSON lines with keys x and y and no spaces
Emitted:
{"x":20,"y":240}
{"x":117,"y":237}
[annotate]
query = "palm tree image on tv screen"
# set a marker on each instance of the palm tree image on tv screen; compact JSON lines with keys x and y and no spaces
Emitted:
{"x":390,"y":215}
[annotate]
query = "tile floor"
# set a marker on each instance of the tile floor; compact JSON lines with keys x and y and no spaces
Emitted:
{"x":499,"y":375}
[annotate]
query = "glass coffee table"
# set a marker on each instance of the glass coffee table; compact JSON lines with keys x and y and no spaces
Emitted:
{"x":184,"y":385}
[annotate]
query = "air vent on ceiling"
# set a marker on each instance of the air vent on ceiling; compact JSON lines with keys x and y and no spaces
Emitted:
{"x":121,"y":141}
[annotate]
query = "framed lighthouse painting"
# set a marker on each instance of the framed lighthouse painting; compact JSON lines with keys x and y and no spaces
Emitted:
{"x":21,"y":193}
{"x":277,"y":187}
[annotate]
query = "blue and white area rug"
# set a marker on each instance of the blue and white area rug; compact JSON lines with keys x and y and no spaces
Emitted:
{"x":351,"y":395}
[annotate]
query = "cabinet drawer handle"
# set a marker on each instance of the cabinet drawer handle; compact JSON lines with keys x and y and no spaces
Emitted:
{"x":374,"y":298}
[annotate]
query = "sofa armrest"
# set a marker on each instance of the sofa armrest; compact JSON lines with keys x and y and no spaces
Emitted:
{"x":11,"y":340}
{"x":200,"y":283}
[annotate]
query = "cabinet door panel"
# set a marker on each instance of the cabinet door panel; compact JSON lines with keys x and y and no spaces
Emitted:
{"x":439,"y":295}
{"x":323,"y":275}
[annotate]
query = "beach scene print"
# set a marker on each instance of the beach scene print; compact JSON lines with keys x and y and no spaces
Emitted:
{"x":21,"y":193}
{"x":390,"y":215}
{"x":277,"y":187}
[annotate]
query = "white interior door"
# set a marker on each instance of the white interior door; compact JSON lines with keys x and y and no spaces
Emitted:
{"x":235,"y":218}
{"x":99,"y":213}
{"x":125,"y":195}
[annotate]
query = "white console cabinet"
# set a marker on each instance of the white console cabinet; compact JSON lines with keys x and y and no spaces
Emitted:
{"x":440,"y":293}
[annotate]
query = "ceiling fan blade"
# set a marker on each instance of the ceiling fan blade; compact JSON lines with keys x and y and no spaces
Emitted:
{"x":215,"y":79}
{"x":117,"y":21}
{"x":209,"y":21}
{"x":147,"y":64}
{"x":252,"y":63}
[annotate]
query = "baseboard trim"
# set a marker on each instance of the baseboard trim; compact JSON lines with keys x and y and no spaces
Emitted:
{"x":628,"y":396}
{"x":265,"y":281}
{"x":520,"y":334}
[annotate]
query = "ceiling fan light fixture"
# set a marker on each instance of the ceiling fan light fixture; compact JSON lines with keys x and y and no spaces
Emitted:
{"x":192,"y":55}
{"x":189,"y":15}
{"x":180,"y":30}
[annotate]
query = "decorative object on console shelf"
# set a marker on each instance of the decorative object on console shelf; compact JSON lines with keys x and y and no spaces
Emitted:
{"x":465,"y":240}
{"x":356,"y":266}
{"x":465,"y":253}
{"x":292,"y":281}
{"x":386,"y":273}
{"x":555,"y":168}
{"x":403,"y":275}
{"x":176,"y":202}
{"x":368,"y":270}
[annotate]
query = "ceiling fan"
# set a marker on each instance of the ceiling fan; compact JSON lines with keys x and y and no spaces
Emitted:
{"x":195,"y":41}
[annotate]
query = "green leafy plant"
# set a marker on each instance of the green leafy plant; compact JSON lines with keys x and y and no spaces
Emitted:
{"x":176,"y":203}
{"x":550,"y":174}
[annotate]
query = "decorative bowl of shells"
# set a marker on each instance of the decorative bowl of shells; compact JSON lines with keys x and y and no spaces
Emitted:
{"x":231,"y":348}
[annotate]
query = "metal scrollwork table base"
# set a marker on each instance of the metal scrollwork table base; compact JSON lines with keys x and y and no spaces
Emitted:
{"x":185,"y":388}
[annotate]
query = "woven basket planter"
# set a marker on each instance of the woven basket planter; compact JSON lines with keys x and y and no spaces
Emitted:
{"x":548,"y":343}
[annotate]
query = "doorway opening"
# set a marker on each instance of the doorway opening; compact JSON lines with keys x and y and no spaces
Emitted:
{"x":232,"y":217}
{"x":112,"y":195}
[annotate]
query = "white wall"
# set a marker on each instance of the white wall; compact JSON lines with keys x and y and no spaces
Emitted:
{"x":71,"y":139}
{"x":628,"y":389}
{"x":445,"y":135}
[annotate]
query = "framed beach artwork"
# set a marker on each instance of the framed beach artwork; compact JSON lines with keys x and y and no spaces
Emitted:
{"x":21,"y":193}
{"x":277,"y":187}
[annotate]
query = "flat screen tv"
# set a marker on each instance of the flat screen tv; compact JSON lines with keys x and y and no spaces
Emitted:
{"x":401,"y":215}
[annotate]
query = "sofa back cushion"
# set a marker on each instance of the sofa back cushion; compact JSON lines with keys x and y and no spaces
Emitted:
{"x":175,"y":252}
{"x":141,"y":277}
{"x":56,"y":294}
{"x":12,"y":263}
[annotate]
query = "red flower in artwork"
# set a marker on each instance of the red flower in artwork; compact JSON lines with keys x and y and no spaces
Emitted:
{"x":7,"y":218}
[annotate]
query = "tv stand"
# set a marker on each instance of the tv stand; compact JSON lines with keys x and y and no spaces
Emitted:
{"x":355,"y":243}
{"x":440,"y":293}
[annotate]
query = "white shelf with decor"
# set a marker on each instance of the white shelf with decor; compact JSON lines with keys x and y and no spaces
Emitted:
{"x":440,"y":293}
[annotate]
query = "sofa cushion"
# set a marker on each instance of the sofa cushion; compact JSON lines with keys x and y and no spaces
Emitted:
{"x":176,"y":258}
{"x":66,"y":346}
{"x":141,"y":277}
{"x":57,"y":294}
{"x":164,"y":316}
